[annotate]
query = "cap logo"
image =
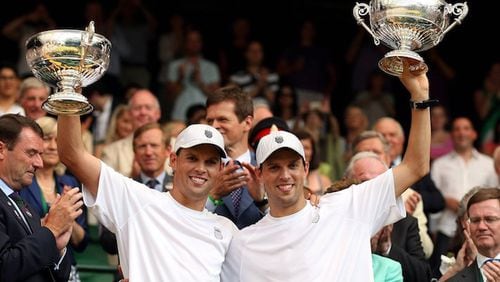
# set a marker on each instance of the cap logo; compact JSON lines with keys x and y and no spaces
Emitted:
{"x":208,"y":133}
{"x":278,"y":139}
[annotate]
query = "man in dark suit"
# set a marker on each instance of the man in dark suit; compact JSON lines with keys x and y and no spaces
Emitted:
{"x":483,"y":209}
{"x":30,"y":250}
{"x":230,"y":111}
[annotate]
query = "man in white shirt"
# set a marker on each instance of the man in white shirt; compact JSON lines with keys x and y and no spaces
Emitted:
{"x":296,"y":241}
{"x":454,"y":174}
{"x":483,"y":209}
{"x":161,"y":236}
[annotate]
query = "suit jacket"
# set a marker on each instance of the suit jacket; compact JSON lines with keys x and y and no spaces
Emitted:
{"x":468,"y":274}
{"x":166,"y":180}
{"x":249,"y":212}
{"x":33,"y":196}
{"x":407,"y":249}
{"x":26,"y":256}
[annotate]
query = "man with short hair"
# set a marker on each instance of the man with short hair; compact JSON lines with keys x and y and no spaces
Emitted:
{"x":30,"y":249}
{"x":144,"y":108}
{"x":296,"y":241}
{"x":483,"y":210}
{"x":151,"y":149}
{"x":161,"y":236}
{"x":230,"y":111}
{"x":456,"y":173}
{"x":32,"y":94}
{"x":393,"y":132}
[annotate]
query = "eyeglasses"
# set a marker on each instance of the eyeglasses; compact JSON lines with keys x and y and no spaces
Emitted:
{"x":2,"y":77}
{"x":488,"y":220}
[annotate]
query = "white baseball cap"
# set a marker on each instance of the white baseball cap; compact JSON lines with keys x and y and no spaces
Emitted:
{"x":275,"y":141}
{"x":197,"y":134}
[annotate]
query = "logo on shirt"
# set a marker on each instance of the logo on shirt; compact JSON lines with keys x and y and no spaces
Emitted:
{"x":218,"y":233}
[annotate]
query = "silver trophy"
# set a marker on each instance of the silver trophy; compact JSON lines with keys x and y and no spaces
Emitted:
{"x":407,"y":27}
{"x":68,"y":60}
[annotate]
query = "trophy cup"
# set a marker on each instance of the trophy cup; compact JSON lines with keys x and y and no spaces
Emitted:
{"x":68,"y":60}
{"x":407,"y":27}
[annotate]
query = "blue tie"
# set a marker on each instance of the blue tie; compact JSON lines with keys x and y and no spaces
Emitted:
{"x":490,"y":260}
{"x":152,"y":183}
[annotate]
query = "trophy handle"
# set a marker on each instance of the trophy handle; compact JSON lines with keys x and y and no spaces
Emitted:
{"x":360,"y":10}
{"x":460,"y":10}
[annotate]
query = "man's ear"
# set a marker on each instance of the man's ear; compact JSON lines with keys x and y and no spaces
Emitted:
{"x":173,"y":160}
{"x":3,"y":150}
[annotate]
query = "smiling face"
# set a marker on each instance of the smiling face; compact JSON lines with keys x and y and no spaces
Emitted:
{"x":151,"y":152}
{"x":222,"y":116}
{"x":283,"y":175}
{"x":486,"y":235}
{"x":32,"y":100}
{"x":20,"y":163}
{"x":194,"y":171}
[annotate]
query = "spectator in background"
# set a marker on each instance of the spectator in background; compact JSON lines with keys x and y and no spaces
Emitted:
{"x":487,"y":108}
{"x":232,"y":53}
{"x":484,"y":224}
{"x":170,"y":48}
{"x":375,"y":100}
{"x":286,"y":104}
{"x":308,"y":66}
{"x":316,"y":182}
{"x":441,"y":143}
{"x":355,"y":122}
{"x":454,"y":174}
{"x":9,"y":90}
{"x":191,"y":78}
{"x":21,"y":28}
{"x":120,"y":126}
{"x":255,"y":78}
{"x":196,"y":114}
{"x":144,"y":108}
{"x":32,"y":94}
{"x":133,"y":20}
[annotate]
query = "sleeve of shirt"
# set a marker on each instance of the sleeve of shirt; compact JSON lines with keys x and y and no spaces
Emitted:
{"x":118,"y":198}
{"x":375,"y":202}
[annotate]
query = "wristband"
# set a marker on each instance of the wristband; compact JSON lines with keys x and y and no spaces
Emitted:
{"x":214,"y":201}
{"x":423,"y":104}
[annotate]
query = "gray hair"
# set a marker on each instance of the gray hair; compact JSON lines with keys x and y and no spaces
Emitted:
{"x":29,"y":83}
{"x":369,"y":134}
{"x":359,"y":156}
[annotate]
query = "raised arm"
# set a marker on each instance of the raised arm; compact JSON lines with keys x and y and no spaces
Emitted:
{"x":81,"y":163}
{"x":416,"y":160}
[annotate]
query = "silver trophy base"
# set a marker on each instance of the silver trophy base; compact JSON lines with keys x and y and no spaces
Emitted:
{"x":67,"y":103}
{"x":393,"y":65}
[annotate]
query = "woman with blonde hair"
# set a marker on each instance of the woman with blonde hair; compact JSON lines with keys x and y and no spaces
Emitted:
{"x":51,"y":180}
{"x":120,"y":126}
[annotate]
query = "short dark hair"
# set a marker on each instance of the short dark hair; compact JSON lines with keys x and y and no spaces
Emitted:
{"x":484,"y":194}
{"x":243,"y":104}
{"x":146,"y":127}
{"x":303,"y":134}
{"x":11,"y":126}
